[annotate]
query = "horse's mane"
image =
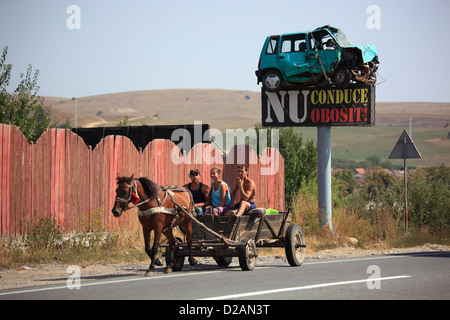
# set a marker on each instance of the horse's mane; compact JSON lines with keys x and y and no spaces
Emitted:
{"x":150,"y":188}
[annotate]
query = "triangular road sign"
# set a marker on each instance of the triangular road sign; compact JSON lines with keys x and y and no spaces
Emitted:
{"x":405,"y":144}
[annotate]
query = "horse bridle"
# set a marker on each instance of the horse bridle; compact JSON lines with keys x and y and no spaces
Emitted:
{"x":131,"y":188}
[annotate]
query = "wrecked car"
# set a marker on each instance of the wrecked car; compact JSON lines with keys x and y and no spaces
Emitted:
{"x":321,"y":56}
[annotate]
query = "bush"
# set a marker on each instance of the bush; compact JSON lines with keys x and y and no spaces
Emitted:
{"x":300,"y":160}
{"x":24,"y":108}
{"x":375,"y":212}
{"x":429,"y":198}
{"x":43,"y":233}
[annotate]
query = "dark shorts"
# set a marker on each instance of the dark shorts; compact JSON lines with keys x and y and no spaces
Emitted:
{"x":252,"y":205}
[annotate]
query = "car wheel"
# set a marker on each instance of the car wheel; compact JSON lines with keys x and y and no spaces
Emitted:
{"x":341,"y":78}
{"x":272,"y":81}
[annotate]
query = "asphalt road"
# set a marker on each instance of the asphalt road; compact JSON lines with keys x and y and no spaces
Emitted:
{"x":404,"y":276}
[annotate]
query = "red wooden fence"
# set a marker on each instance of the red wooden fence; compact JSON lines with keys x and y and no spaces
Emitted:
{"x":62,"y":177}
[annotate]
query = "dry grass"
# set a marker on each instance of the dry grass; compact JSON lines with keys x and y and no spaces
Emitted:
{"x":381,"y":230}
{"x":45,"y":241}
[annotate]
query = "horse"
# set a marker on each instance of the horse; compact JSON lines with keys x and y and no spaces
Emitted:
{"x":155,"y":214}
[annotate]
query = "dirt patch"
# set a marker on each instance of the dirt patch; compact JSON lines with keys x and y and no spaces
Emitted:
{"x":440,"y":142}
{"x":57,"y":274}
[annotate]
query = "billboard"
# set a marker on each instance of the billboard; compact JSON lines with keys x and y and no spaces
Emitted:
{"x":319,"y":106}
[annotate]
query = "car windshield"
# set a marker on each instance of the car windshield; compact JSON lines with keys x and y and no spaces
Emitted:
{"x":342,"y":38}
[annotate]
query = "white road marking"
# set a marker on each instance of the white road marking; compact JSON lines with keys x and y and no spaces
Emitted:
{"x":218,"y":271}
{"x":313,"y":286}
{"x":112,"y":282}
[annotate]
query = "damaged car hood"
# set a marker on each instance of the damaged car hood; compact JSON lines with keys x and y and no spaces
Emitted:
{"x":368,"y":51}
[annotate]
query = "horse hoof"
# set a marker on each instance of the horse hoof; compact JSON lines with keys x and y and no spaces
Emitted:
{"x":158,"y":263}
{"x":168,"y":270}
{"x":149,"y":273}
{"x":193,"y":262}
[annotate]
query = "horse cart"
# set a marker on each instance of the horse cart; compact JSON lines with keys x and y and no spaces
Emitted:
{"x":240,"y":237}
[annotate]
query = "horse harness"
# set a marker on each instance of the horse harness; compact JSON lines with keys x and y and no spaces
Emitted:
{"x":168,"y":191}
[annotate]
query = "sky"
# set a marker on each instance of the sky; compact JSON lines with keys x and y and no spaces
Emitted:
{"x":116,"y":46}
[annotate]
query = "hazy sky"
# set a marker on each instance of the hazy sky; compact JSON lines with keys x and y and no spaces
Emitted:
{"x":142,"y":45}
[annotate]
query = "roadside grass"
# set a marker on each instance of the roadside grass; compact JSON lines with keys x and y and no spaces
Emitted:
{"x":45,"y":241}
{"x":382,"y":231}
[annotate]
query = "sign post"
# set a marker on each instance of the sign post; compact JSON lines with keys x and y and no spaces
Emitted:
{"x":405,"y":149}
{"x":322,"y":107}
{"x":324,"y":176}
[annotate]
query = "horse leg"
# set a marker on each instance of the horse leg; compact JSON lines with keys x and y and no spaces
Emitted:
{"x":188,"y":228}
{"x":171,"y":239}
{"x":146,"y":230}
{"x":154,"y":251}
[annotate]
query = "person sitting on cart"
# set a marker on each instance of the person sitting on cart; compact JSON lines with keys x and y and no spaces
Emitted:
{"x":199,"y":191}
{"x":220,"y":193}
{"x":247,"y":191}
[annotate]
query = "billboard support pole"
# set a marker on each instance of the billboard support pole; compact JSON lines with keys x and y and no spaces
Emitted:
{"x":324,"y":176}
{"x":322,"y":107}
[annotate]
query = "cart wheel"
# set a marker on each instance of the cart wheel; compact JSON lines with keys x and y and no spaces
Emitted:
{"x":223,"y":261}
{"x":295,"y":245}
{"x":178,"y":261}
{"x":247,"y":255}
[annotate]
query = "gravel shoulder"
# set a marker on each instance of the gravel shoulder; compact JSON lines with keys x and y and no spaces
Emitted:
{"x":57,"y":274}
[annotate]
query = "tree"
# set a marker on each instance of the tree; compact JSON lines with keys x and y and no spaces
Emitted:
{"x":124,"y":123}
{"x":377,"y":182}
{"x":429,"y":197}
{"x":347,"y":183}
{"x":23,"y":108}
{"x":300,"y":160}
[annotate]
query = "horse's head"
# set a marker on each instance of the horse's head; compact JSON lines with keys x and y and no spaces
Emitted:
{"x":124,"y":192}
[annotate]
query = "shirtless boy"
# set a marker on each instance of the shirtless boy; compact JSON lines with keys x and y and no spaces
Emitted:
{"x":247,"y":190}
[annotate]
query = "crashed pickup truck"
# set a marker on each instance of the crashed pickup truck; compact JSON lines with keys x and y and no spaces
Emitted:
{"x":320,"y":56}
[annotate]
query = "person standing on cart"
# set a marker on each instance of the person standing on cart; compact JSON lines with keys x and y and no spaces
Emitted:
{"x":247,"y":191}
{"x":200,"y":192}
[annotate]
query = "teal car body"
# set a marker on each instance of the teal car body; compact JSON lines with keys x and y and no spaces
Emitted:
{"x":323,"y":55}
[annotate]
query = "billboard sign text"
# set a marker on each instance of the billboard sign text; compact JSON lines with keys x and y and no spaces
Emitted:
{"x":319,"y":106}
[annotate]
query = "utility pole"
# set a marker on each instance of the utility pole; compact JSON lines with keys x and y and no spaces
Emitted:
{"x":76,"y":113}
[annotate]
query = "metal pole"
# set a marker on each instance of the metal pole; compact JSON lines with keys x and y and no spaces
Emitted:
{"x":324,"y":176}
{"x":76,"y":113}
{"x":405,"y":172}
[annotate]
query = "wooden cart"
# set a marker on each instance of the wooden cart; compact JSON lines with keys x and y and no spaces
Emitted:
{"x":246,"y":233}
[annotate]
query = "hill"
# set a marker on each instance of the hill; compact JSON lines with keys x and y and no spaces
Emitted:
{"x":232,"y":109}
{"x":222,"y":108}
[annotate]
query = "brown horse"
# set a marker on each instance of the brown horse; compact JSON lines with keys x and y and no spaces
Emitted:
{"x":155,"y":214}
